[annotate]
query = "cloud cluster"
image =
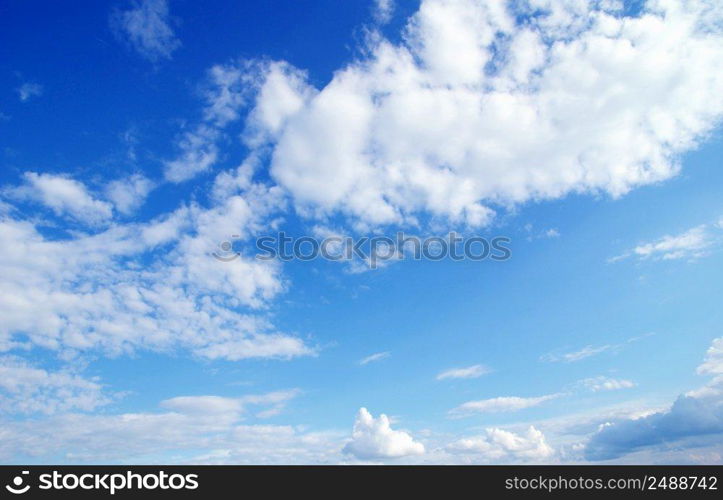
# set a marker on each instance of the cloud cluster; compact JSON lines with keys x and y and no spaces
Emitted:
{"x":212,"y":424}
{"x":490,"y":103}
{"x":151,"y":285}
{"x":498,"y":445}
{"x":25,"y":389}
{"x":694,"y":420}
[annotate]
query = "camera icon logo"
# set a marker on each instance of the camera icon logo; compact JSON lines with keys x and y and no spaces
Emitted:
{"x":17,"y":487}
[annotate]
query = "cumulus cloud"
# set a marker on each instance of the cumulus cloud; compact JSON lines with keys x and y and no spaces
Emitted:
{"x":374,"y":438}
{"x":146,"y":28}
{"x":500,"y":445}
{"x":372,"y":358}
{"x":486,"y":104}
{"x":693,"y":421}
{"x":500,"y":404}
{"x":473,"y":371}
{"x":127,"y":195}
{"x":64,"y":196}
{"x":26,"y":389}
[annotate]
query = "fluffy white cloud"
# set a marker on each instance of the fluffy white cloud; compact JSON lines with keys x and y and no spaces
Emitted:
{"x":374,"y":438}
{"x":500,"y":404}
{"x":128,"y":194}
{"x":488,"y":104}
{"x":602,"y":383}
{"x":468,"y":372}
{"x":64,"y":196}
{"x":146,"y":28}
{"x":501,"y":445}
{"x":26,"y":389}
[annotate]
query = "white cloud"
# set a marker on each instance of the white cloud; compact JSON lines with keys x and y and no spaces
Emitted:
{"x":482,"y":105}
{"x":274,"y":403}
{"x":129,"y":194}
{"x":583,"y":353}
{"x":149,"y":286}
{"x":374,"y":438}
{"x":691,"y":244}
{"x":383,"y":10}
{"x":694,"y":421}
{"x":201,"y":430}
{"x":713,"y":362}
{"x":27,"y":389}
{"x":501,"y":445}
{"x":374,"y":357}
{"x":473,"y":371}
{"x":602,"y":383}
{"x":500,"y":404}
{"x":29,"y":90}
{"x":146,"y":28}
{"x":64,"y":196}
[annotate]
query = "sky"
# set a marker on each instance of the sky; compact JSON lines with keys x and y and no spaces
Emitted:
{"x":137,"y":136}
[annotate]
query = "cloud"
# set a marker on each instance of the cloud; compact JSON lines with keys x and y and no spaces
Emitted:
{"x":374,"y":438}
{"x":226,"y":92}
{"x":28,"y":90}
{"x":487,"y":104}
{"x":473,"y":371}
{"x":148,"y":286}
{"x":590,"y":350}
{"x":64,"y":196}
{"x":583,"y":353}
{"x":190,"y":430}
{"x":127,"y":195}
{"x":500,"y":404}
{"x":501,"y":445}
{"x":383,"y":10}
{"x":691,"y":244}
{"x":231,"y":407}
{"x":694,"y":420}
{"x":602,"y":383}
{"x":146,"y":28}
{"x":26,"y":389}
{"x":374,"y":358}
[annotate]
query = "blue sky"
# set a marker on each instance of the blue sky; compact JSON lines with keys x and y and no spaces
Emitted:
{"x":136,"y":136}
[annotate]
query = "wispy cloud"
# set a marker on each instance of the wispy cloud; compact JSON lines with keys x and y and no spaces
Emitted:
{"x":500,"y":404}
{"x":589,"y":351}
{"x":691,"y":244}
{"x":375,"y":357}
{"x":602,"y":383}
{"x":28,"y":90}
{"x":474,"y":371}
{"x":146,"y":28}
